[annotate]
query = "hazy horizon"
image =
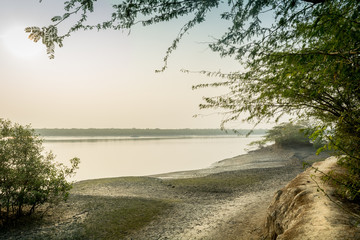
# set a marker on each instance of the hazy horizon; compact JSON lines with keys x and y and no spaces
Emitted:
{"x":137,"y":132}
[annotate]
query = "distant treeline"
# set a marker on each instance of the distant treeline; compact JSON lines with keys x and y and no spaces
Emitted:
{"x":134,"y":132}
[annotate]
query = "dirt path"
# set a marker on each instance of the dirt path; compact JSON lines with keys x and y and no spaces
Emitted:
{"x":240,"y":215}
{"x":239,"y":218}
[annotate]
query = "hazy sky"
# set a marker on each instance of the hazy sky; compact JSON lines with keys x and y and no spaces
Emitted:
{"x":104,"y":79}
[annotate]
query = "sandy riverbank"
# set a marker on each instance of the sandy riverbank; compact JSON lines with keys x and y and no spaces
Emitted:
{"x":268,"y":157}
{"x":225,"y":201}
{"x":239,"y":215}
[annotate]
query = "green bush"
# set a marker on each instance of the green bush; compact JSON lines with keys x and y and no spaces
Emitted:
{"x":286,"y":134}
{"x":29,"y":177}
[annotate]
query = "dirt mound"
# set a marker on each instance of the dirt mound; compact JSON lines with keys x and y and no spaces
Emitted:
{"x":302,"y":211}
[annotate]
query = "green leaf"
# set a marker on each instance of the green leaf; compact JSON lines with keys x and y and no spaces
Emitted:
{"x":56,"y":18}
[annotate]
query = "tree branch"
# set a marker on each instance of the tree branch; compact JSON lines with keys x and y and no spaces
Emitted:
{"x":314,"y":1}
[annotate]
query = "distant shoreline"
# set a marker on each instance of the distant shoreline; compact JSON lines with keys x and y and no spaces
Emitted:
{"x":135,"y":132}
{"x":130,"y":138}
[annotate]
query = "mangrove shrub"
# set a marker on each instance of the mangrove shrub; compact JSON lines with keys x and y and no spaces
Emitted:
{"x":28,"y":176}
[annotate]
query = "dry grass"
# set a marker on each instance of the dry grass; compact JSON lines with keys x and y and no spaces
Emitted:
{"x":116,"y":217}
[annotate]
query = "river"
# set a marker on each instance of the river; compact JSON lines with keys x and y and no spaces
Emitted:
{"x":103,"y":157}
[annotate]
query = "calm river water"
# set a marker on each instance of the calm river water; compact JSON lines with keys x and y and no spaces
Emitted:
{"x":114,"y":157}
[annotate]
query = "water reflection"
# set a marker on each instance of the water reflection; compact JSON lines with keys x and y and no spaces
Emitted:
{"x":130,"y":156}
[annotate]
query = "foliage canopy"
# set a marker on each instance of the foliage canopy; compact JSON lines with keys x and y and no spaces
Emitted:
{"x":305,"y":64}
{"x":29,"y":177}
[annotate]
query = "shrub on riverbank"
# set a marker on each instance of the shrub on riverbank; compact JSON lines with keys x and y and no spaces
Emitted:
{"x":284,"y":135}
{"x":29,"y":177}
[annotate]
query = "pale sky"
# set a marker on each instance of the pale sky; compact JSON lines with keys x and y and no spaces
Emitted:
{"x":105,"y":79}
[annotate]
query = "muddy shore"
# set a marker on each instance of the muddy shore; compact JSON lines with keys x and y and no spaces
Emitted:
{"x":225,"y":201}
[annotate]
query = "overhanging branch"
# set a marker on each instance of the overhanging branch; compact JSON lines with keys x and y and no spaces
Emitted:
{"x":314,"y":1}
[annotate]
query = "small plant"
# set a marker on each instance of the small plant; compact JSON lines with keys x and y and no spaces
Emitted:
{"x":28,"y":177}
